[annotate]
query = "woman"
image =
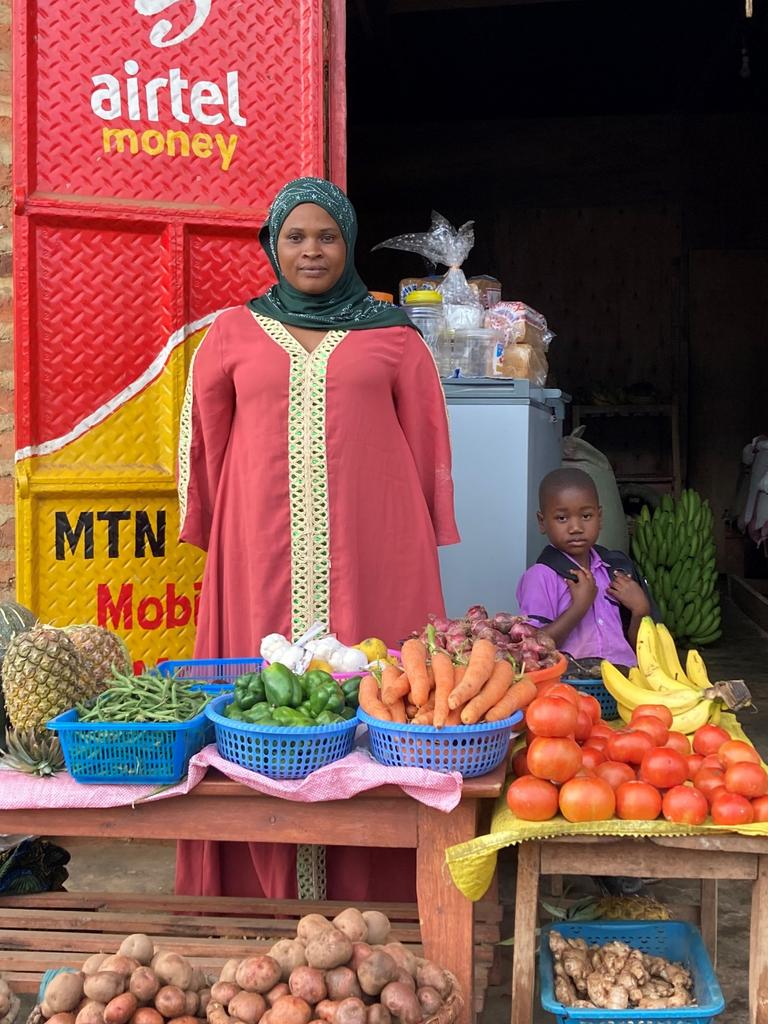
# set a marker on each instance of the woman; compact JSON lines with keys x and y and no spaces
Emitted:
{"x":315,"y":469}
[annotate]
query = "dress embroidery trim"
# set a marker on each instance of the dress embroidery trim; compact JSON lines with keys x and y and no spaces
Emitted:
{"x":185,"y":439}
{"x":307,"y":474}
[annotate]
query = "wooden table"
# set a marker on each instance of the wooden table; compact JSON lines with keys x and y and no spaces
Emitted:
{"x":384,"y":817}
{"x":708,"y":858}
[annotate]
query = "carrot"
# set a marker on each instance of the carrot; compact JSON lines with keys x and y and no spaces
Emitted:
{"x":443,"y":670}
{"x":411,"y":710}
{"x":518,"y":696}
{"x":479,"y":668}
{"x":502,"y":677}
{"x":426,"y":711}
{"x":397,"y":710}
{"x":454,"y":717}
{"x":414,"y":658}
{"x":368,"y":699}
{"x":394,"y":684}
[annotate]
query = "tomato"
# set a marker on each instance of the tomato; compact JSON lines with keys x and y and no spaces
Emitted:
{"x":587,"y":800}
{"x":664,"y":767}
{"x":708,"y":780}
{"x":520,"y":763}
{"x":629,"y":746}
{"x":583,"y":726}
{"x":685,"y":805}
{"x":554,"y":758}
{"x":532,"y":799}
{"x":591,"y":705}
{"x":712,"y":761}
{"x":551,"y":716}
{"x":656,"y":729}
{"x":694,"y":764}
{"x":602,"y":729}
{"x":708,"y":739}
{"x":760,"y":808}
{"x":660,"y":711}
{"x":731,"y":809}
{"x":746,"y":779}
{"x":638,"y":801}
{"x":678,"y":741}
{"x":591,"y":757}
{"x":615,"y":773}
{"x":733,"y":751}
{"x":597,"y":743}
{"x":561,"y":690}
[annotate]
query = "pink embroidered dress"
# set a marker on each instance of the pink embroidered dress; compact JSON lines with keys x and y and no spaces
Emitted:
{"x":320,"y":485}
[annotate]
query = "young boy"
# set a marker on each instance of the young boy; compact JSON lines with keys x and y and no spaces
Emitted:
{"x":575,"y":591}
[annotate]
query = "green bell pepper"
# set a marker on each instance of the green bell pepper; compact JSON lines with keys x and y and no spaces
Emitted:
{"x":282,"y":688}
{"x":233,"y":710}
{"x":305,"y":709}
{"x":311,"y":680}
{"x":252,"y":683}
{"x":290,"y":716}
{"x":260,"y":714}
{"x":328,"y":718}
{"x":326,"y":697}
{"x":350,"y":688}
{"x":347,"y":713}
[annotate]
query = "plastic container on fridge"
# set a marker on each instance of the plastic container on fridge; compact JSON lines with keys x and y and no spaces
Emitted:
{"x":472,"y":352}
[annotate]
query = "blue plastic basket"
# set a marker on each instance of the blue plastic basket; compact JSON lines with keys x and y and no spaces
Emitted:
{"x":674,"y":940}
{"x":595,"y":688}
{"x":278,"y":751}
{"x":214,"y":671}
{"x":150,"y":752}
{"x":469,"y":749}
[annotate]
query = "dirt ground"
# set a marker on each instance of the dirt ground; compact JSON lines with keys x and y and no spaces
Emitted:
{"x":148,"y":867}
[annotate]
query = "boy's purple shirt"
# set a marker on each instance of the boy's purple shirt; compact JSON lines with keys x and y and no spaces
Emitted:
{"x":543,"y":594}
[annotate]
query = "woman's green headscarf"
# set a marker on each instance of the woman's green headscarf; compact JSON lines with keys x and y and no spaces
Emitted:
{"x":346,"y":306}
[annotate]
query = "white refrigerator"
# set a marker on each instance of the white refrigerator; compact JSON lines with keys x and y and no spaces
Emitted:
{"x":505,"y":436}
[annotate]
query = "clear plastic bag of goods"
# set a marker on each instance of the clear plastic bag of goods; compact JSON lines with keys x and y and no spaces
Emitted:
{"x":520,"y":323}
{"x":473,"y":351}
{"x":488,"y":290}
{"x":448,"y":246}
{"x":521,"y":362}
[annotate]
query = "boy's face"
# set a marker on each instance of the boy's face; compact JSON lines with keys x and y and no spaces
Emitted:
{"x":571,"y":519}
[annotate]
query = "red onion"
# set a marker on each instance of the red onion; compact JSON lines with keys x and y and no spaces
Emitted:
{"x":504,"y":621}
{"x":477,"y":611}
{"x":479,"y":625}
{"x":521,"y":630}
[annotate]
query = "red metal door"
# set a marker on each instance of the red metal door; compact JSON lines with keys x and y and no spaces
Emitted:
{"x":149,"y":138}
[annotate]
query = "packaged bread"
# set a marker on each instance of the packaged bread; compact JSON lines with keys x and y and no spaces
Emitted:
{"x":522,"y":362}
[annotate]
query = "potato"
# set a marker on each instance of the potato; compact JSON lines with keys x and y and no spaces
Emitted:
{"x":280,"y":990}
{"x":184,"y":1019}
{"x":352,"y":923}
{"x":402,"y":1003}
{"x":144,"y":984}
{"x":378,"y":926}
{"x":216,"y":1013}
{"x":170,"y":1001}
{"x":64,"y":993}
{"x":104,"y":986}
{"x":90,"y":1012}
{"x":147,"y":1015}
{"x":402,"y":956}
{"x":331,"y":948}
{"x":407,"y":979}
{"x":173,"y":969}
{"x":258,"y":974}
{"x":291,"y":1010}
{"x":204,"y":995}
{"x":289,"y":953}
{"x":308,"y":983}
{"x":120,"y":964}
{"x":138,"y":946}
{"x":45,"y":1009}
{"x":310,"y":926}
{"x":376,"y":971}
{"x":360,"y":950}
{"x":350,"y":1011}
{"x":229,"y":970}
{"x":378,"y":1014}
{"x":430,"y":1000}
{"x":223,"y":992}
{"x":198,"y":981}
{"x":120,"y":1009}
{"x":429,"y":975}
{"x":326,"y":1010}
{"x":61,"y":1018}
{"x":192,"y":1004}
{"x":94,"y":962}
{"x":342,"y":983}
{"x":248,"y":1007}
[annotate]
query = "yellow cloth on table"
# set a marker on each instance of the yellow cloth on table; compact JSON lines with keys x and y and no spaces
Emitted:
{"x":473,"y":863}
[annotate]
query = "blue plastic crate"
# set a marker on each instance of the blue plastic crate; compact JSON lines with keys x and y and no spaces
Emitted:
{"x":595,"y":688}
{"x":277,"y":751}
{"x":214,"y":671}
{"x":149,"y":752}
{"x":674,"y":940}
{"x":469,"y":749}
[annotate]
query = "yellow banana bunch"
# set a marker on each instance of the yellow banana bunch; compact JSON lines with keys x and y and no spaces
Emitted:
{"x":669,"y":655}
{"x":697,"y":670}
{"x":629,"y":695}
{"x":658,"y":661}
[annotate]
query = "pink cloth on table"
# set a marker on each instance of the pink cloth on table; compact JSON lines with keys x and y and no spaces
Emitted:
{"x":355,"y":773}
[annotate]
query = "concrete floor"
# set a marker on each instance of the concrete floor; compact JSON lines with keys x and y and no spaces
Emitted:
{"x":148,"y":867}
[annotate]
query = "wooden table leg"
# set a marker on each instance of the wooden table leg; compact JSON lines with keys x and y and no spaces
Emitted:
{"x":446,"y":916}
{"x":526,"y":915}
{"x":708,"y":917}
{"x":758,"y":946}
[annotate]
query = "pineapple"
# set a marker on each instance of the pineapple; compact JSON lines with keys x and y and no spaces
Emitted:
{"x":42,"y":676}
{"x":36,"y":753}
{"x":100,"y":650}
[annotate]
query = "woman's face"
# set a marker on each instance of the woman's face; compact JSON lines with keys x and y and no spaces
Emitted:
{"x":310,"y":249}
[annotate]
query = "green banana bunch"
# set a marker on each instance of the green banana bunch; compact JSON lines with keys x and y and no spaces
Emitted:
{"x":674,"y":548}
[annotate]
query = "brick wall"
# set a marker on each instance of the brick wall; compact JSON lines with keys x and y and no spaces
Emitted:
{"x":7,"y":514}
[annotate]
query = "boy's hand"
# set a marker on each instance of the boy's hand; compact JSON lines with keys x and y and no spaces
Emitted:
{"x":629,"y":594}
{"x":583,"y":590}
